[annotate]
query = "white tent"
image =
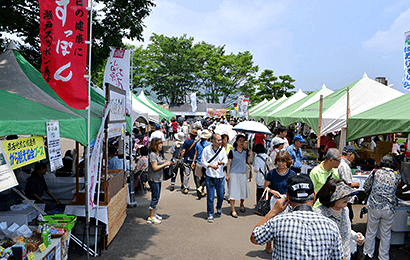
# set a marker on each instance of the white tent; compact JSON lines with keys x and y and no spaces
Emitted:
{"x":291,"y":100}
{"x":364,"y":94}
{"x":258,"y":105}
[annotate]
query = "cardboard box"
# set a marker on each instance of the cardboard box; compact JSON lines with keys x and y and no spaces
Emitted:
{"x":383,"y":147}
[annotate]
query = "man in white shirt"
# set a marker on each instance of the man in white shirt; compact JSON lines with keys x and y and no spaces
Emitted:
{"x":158,"y":133}
{"x":214,"y":159}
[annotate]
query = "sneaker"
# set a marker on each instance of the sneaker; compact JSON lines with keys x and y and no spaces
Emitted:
{"x":153,"y":220}
{"x":218,"y":213}
{"x":211,"y":219}
{"x":157,"y":216}
{"x":172,"y":188}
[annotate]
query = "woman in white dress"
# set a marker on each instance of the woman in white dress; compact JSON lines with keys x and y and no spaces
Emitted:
{"x":236,"y":174}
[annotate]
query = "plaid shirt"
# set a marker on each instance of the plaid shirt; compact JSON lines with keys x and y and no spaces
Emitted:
{"x":301,"y":235}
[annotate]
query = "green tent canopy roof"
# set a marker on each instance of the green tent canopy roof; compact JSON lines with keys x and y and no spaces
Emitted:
{"x":167,"y":114}
{"x":390,"y":117}
{"x":284,"y":116}
{"x":258,"y":105}
{"x":265,"y":110}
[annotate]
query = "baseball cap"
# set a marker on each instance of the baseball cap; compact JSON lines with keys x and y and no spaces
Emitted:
{"x":341,"y":191}
{"x":300,"y":186}
{"x":299,"y":138}
{"x":351,"y":149}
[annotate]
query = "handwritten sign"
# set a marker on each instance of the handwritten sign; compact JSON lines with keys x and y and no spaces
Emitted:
{"x":42,"y":247}
{"x":24,"y":151}
{"x":53,"y":144}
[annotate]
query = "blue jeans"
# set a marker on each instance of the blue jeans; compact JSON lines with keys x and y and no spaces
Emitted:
{"x":211,"y":185}
{"x":155,"y":192}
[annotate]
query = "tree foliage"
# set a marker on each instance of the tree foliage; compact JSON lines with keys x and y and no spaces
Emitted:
{"x":268,"y":86}
{"x":118,"y":19}
{"x":175,"y":66}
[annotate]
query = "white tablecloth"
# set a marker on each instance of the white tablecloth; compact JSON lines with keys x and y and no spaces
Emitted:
{"x":78,"y":210}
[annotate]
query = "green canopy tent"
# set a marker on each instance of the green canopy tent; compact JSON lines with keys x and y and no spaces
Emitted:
{"x":262,"y":107}
{"x":265,"y":110}
{"x":36,"y":102}
{"x":259,"y":105}
{"x":364,"y":94}
{"x":284,"y":115}
{"x":167,"y":114}
{"x":390,"y":117}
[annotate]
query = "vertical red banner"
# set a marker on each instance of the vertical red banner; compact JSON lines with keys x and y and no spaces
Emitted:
{"x":63,"y":32}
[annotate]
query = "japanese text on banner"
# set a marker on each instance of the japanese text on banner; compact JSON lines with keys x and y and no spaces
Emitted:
{"x":63,"y":32}
{"x":24,"y":151}
{"x":406,"y":79}
{"x":117,"y":73}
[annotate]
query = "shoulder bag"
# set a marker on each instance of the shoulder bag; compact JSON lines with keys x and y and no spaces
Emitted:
{"x":203,"y":169}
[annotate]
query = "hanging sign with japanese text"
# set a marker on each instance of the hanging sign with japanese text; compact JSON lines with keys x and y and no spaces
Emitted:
{"x":24,"y":151}
{"x":245,"y":105}
{"x":212,"y":112}
{"x":7,"y":177}
{"x":117,"y":73}
{"x":406,"y":79}
{"x":63,"y":32}
{"x":53,"y":145}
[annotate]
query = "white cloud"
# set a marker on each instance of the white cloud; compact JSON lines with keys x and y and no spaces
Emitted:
{"x":392,"y":39}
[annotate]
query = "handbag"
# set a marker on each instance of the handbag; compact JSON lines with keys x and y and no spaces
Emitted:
{"x":167,"y":173}
{"x":263,"y":206}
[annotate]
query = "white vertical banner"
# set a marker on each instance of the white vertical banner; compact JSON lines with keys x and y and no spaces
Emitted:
{"x":192,"y":97}
{"x":240,"y":106}
{"x":406,"y":79}
{"x":117,"y":73}
{"x":95,"y":160}
{"x":54,"y":146}
{"x":245,"y":107}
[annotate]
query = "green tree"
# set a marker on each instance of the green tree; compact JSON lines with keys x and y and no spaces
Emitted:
{"x":118,"y":19}
{"x":169,"y":66}
{"x":268,"y":86}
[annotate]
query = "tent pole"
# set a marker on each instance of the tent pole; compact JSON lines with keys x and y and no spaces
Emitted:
{"x":343,"y":132}
{"x":320,"y":121}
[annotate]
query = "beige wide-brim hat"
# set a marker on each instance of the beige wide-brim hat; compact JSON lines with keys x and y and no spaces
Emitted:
{"x":206,"y":134}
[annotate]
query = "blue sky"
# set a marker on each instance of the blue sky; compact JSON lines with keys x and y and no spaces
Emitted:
{"x":316,"y":42}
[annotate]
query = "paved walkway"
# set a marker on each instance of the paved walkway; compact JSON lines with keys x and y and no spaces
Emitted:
{"x":185,"y":234}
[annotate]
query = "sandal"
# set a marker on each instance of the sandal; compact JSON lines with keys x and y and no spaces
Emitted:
{"x":234,"y":215}
{"x":269,"y":250}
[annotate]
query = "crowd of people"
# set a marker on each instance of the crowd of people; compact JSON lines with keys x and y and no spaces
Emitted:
{"x":310,"y":213}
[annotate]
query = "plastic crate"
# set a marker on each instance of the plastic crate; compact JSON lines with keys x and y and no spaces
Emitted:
{"x":60,"y":221}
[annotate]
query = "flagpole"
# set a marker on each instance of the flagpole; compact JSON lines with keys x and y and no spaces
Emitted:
{"x":87,"y":213}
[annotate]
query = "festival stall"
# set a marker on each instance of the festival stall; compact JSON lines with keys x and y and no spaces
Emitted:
{"x":291,"y":100}
{"x":258,"y":105}
{"x":363,"y":94}
{"x":283,"y":114}
{"x":28,"y":104}
{"x":167,"y":114}
{"x":262,"y":107}
{"x":257,"y":114}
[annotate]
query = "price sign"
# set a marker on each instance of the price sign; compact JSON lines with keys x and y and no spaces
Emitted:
{"x":31,"y":256}
{"x":42,"y":247}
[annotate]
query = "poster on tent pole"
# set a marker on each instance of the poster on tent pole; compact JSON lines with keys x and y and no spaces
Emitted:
{"x":63,"y":36}
{"x":7,"y":177}
{"x":117,"y":73}
{"x":54,"y":146}
{"x":406,"y":79}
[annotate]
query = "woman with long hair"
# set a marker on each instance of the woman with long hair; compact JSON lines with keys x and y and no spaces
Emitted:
{"x":156,"y":165}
